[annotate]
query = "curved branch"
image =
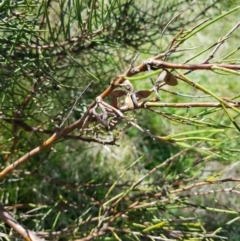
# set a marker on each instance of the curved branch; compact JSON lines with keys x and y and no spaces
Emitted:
{"x":27,"y":234}
{"x":155,"y":63}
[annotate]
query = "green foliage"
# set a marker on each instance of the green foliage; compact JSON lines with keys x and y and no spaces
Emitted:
{"x":162,"y":175}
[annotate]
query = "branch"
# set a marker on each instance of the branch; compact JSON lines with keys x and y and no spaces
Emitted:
{"x":167,"y":65}
{"x":187,"y":105}
{"x":155,"y":63}
{"x":72,"y":40}
{"x":27,"y":234}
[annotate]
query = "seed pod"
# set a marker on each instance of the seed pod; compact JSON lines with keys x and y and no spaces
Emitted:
{"x":167,"y":77}
{"x":118,"y":93}
{"x":115,"y":94}
{"x":128,"y":101}
{"x":141,"y":94}
{"x":127,"y":84}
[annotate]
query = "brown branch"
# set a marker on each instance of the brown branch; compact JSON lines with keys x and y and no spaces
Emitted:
{"x":56,"y":136}
{"x":23,"y":206}
{"x":18,"y":114}
{"x":27,"y":234}
{"x":28,"y":155}
{"x":28,"y":128}
{"x":187,"y":105}
{"x":154,"y":62}
{"x":168,"y":65}
{"x":47,"y":5}
{"x":62,"y":44}
{"x":205,"y":183}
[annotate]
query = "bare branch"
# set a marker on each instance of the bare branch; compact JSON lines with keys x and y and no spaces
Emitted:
{"x":7,"y":218}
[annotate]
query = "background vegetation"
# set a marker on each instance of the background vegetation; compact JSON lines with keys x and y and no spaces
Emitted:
{"x":168,"y":169}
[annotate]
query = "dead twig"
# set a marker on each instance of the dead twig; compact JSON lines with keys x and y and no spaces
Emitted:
{"x":27,"y":234}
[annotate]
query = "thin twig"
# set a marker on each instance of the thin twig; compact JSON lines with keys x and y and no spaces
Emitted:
{"x":211,"y":56}
{"x":74,"y":105}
